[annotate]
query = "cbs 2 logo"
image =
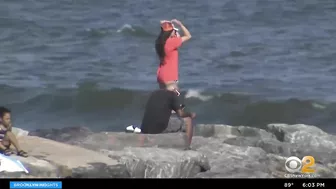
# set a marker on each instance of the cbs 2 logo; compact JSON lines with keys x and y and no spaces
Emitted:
{"x":295,"y":165}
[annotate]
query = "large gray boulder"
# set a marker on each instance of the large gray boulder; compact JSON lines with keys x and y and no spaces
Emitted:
{"x":279,"y":141}
{"x":161,"y":163}
{"x":307,"y":140}
{"x":50,"y":158}
{"x":218,"y":150}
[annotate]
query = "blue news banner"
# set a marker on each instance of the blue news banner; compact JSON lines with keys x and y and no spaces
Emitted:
{"x":35,"y":184}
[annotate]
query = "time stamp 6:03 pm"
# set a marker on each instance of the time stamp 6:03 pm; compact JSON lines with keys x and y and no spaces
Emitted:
{"x":305,"y":184}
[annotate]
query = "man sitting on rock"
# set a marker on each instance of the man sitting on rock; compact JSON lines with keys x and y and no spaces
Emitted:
{"x":158,"y":111}
{"x":6,"y":136}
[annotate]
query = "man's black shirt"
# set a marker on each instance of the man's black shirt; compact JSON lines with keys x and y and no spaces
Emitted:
{"x":158,"y":111}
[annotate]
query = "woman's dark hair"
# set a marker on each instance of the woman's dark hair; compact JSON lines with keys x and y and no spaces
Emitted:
{"x":160,"y":43}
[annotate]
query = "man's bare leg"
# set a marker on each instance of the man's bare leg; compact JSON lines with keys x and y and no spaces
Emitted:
{"x":189,"y":131}
{"x":145,"y":138}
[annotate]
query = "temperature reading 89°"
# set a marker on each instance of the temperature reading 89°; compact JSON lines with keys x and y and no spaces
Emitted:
{"x":288,"y":184}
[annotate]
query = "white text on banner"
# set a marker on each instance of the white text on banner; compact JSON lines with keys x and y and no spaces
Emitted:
{"x":35,"y":185}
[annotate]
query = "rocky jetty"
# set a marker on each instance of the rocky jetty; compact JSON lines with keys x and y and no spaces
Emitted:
{"x":218,"y":151}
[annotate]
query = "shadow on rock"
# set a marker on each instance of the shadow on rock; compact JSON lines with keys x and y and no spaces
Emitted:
{"x":101,"y":170}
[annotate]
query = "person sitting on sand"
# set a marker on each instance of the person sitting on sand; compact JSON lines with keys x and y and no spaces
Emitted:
{"x":158,"y":111}
{"x":6,"y":135}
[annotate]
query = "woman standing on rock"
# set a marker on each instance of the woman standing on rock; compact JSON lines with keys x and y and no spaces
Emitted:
{"x":166,"y":46}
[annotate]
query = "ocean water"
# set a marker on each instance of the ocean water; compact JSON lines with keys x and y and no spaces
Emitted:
{"x":92,"y":63}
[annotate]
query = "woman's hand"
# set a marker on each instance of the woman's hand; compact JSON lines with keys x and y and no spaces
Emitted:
{"x":177,"y":22}
{"x":186,"y":32}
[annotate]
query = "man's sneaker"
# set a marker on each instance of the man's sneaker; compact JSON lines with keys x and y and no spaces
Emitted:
{"x":137,"y":130}
{"x":130,"y":129}
{"x":133,"y":129}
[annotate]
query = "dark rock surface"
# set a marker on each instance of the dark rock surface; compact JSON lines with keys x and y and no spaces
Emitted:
{"x":218,"y":151}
